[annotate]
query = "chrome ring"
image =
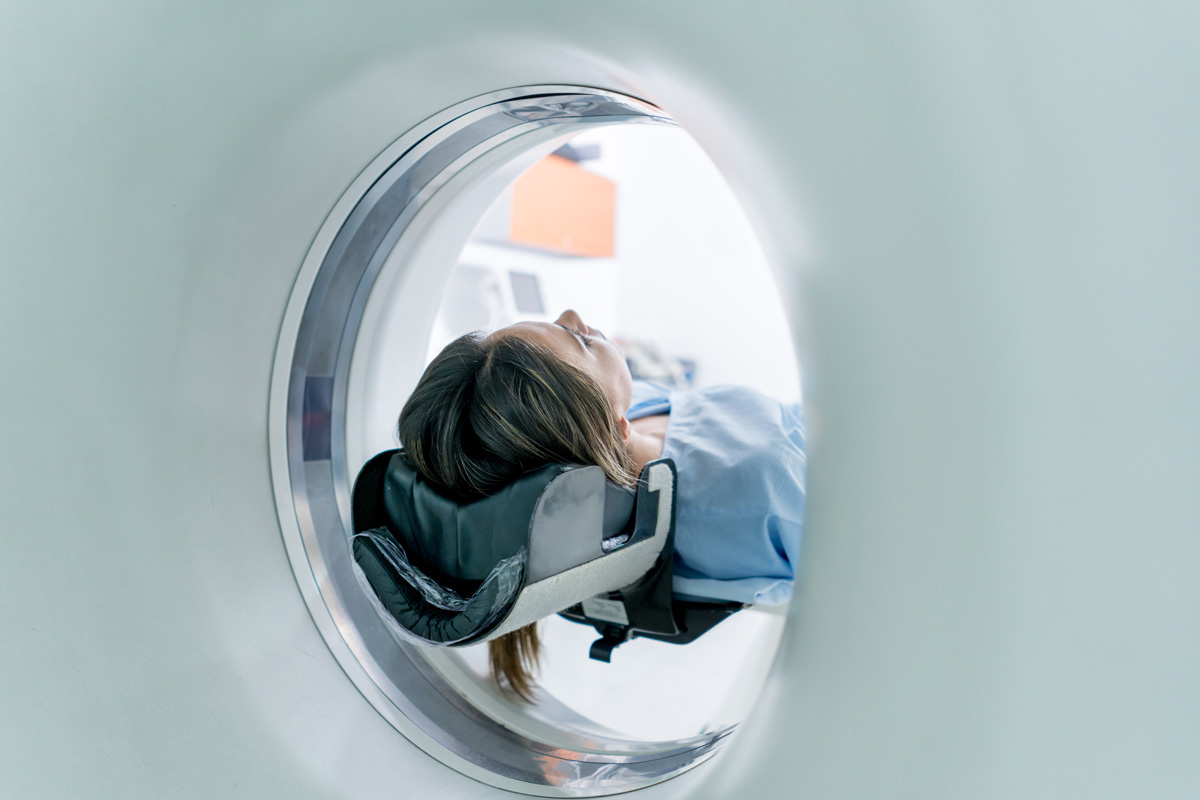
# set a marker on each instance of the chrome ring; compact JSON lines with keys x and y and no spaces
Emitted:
{"x":310,"y":465}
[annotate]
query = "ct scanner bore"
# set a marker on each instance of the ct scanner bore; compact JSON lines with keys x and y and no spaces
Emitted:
{"x":414,"y":206}
{"x":999,"y":318}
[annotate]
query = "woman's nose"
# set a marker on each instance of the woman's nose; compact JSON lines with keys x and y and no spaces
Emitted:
{"x":569,"y":318}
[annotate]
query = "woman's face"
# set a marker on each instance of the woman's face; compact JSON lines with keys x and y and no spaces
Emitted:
{"x":587,"y":348}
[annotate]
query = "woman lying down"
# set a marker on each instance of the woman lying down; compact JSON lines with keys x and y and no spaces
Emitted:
{"x":491,"y":408}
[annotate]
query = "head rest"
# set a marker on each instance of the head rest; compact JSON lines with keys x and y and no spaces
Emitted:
{"x":450,"y":573}
{"x":459,"y":544}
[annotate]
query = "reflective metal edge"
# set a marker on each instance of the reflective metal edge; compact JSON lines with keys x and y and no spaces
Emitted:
{"x":322,"y":320}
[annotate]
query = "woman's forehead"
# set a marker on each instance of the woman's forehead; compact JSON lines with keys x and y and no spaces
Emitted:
{"x":545,"y":333}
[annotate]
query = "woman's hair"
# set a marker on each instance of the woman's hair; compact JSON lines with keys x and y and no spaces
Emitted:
{"x":488,"y":410}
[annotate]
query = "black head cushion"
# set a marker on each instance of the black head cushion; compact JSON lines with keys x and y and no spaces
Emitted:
{"x":423,"y":616}
{"x":407,"y":533}
{"x":456,"y":544}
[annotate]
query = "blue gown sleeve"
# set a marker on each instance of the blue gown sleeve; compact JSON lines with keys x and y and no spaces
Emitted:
{"x":766,"y":548}
{"x":741,"y":496}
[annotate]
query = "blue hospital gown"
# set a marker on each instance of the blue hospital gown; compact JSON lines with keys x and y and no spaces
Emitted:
{"x":740,"y":499}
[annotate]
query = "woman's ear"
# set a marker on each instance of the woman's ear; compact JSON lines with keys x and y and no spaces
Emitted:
{"x":626,"y":428}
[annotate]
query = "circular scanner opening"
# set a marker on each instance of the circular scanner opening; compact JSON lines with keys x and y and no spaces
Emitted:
{"x":463,"y":225}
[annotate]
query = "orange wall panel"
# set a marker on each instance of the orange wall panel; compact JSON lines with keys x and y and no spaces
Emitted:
{"x":561,"y":207}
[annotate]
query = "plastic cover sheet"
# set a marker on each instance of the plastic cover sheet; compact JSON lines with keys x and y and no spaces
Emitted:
{"x":490,"y":603}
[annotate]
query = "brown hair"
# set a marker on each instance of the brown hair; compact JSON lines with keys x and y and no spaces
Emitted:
{"x":489,"y":409}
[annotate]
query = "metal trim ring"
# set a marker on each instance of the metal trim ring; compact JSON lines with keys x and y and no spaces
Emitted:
{"x":309,"y":458}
